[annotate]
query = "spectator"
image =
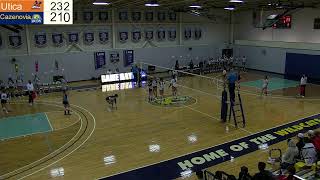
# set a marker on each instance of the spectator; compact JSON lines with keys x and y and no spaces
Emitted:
{"x":315,"y":139}
{"x":300,"y":142}
{"x":263,"y":174}
{"x":308,"y":152}
{"x":290,"y":155}
{"x":191,"y":64}
{"x":244,"y":174}
{"x":31,"y":92}
{"x":176,"y":66}
{"x":303,"y":84}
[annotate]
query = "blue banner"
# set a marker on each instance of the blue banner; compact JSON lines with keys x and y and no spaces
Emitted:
{"x":99,"y":59}
{"x":128,"y":57}
{"x":21,"y":18}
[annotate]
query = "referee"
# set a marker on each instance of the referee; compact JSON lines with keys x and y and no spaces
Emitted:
{"x":232,"y":79}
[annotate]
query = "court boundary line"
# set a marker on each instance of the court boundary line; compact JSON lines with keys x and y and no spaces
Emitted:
{"x":49,"y":121}
{"x":94,"y":126}
{"x":199,"y":150}
{"x":50,"y":153}
{"x":58,"y":129}
{"x":29,"y":134}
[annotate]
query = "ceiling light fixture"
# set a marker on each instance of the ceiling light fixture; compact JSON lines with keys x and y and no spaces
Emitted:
{"x":236,"y":1}
{"x":152,"y":3}
{"x":230,"y":8}
{"x":195,"y":6}
{"x":101,"y":3}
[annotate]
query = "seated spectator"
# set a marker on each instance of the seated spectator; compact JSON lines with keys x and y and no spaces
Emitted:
{"x":315,"y":139}
{"x":308,"y":152}
{"x":244,"y":174}
{"x":263,"y":174}
{"x":289,"y":157}
{"x":300,"y":143}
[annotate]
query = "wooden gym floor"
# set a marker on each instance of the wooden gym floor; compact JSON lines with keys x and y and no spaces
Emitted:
{"x":80,"y":142}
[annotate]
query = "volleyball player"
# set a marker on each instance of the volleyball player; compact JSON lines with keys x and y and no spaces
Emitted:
{"x":265,"y":86}
{"x":161,"y":87}
{"x":173,"y":84}
{"x":31,"y":92}
{"x":65,"y":102}
{"x":150,"y":90}
{"x":155,"y":87}
{"x":4,"y":101}
{"x":112,"y":100}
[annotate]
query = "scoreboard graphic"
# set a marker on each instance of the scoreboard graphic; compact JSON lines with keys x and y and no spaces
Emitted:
{"x":36,"y":12}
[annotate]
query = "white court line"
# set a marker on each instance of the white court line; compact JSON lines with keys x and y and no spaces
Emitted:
{"x":48,"y":121}
{"x":198,"y":150}
{"x":218,"y":119}
{"x":48,"y":154}
{"x":58,"y":129}
{"x":94,"y":126}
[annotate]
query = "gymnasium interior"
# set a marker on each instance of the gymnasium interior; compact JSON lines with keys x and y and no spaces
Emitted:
{"x":160,"y":89}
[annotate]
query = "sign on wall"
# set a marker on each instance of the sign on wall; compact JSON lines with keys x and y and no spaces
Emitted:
{"x":57,"y":39}
{"x":128,"y":57}
{"x":114,"y":57}
{"x":123,"y":36}
{"x":103,"y":37}
{"x":15,"y":40}
{"x":103,"y":16}
{"x":99,"y":60}
{"x":136,"y":16}
{"x":73,"y":37}
{"x":88,"y":38}
{"x":87,"y":16}
{"x":136,"y":35}
{"x":40,"y":39}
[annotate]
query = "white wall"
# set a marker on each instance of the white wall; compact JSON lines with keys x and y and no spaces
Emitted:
{"x":266,"y":49}
{"x":78,"y":64}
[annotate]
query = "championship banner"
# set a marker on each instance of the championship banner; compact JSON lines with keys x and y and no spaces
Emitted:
{"x":172,"y":16}
{"x":197,"y":33}
{"x":123,"y":16}
{"x":136,"y":16}
{"x":88,"y":38}
{"x":128,"y":57}
{"x":73,"y":38}
{"x":149,"y":34}
{"x":15,"y":40}
{"x":187,"y":33}
{"x":99,"y":60}
{"x":103,"y":37}
{"x":172,"y":34}
{"x":36,"y":66}
{"x":40,"y":39}
{"x":161,"y":34}
{"x":87,"y":16}
{"x":114,"y":57}
{"x":103,"y":16}
{"x":1,"y":41}
{"x":136,"y":35}
{"x":57,"y":39}
{"x":123,"y":36}
{"x":149,"y":16}
{"x":161,"y":16}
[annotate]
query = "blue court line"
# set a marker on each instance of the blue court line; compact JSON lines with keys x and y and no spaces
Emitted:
{"x":17,"y":126}
{"x":196,"y":161}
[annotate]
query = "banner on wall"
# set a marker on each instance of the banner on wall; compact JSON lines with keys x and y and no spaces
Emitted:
{"x":40,"y":39}
{"x":172,"y":16}
{"x":114,"y":57}
{"x":88,"y":16}
{"x":123,"y":16}
{"x":99,"y":60}
{"x":136,"y":35}
{"x":15,"y":40}
{"x":103,"y":16}
{"x":88,"y":38}
{"x":103,"y":37}
{"x":1,"y":41}
{"x":161,"y":16}
{"x":123,"y":36}
{"x":161,"y":34}
{"x":187,"y":33}
{"x":149,"y":34}
{"x":136,"y":16}
{"x":57,"y":39}
{"x":73,"y":37}
{"x":36,"y":66}
{"x":172,"y":34}
{"x":128,"y":57}
{"x":149,"y":16}
{"x":197,"y":33}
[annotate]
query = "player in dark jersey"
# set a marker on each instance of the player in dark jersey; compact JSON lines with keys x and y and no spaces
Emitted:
{"x":65,"y":102}
{"x":112,"y":100}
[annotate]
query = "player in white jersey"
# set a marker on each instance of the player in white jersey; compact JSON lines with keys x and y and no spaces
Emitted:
{"x":4,"y":101}
{"x":161,"y":87}
{"x":174,"y":85}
